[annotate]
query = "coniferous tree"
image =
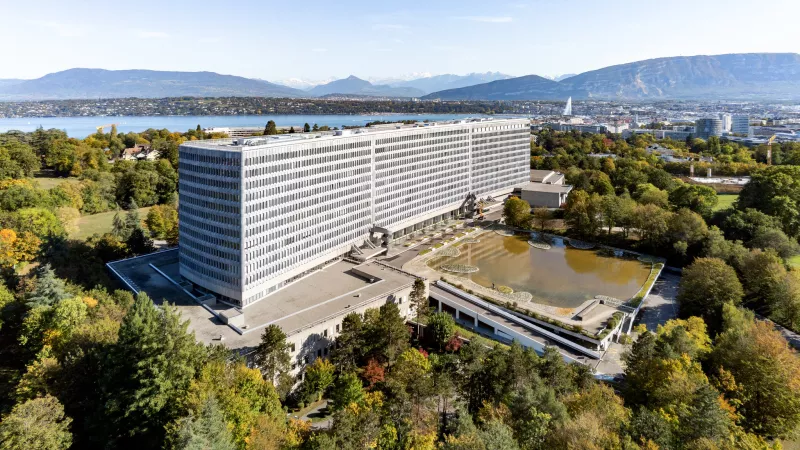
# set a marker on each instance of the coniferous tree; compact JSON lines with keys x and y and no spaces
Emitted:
{"x":315,"y":127}
{"x":306,"y":128}
{"x":419,"y":300}
{"x":207,"y":431}
{"x":271,"y":128}
{"x":291,"y":129}
{"x":48,"y":289}
{"x":146,"y":373}
{"x":272,"y":357}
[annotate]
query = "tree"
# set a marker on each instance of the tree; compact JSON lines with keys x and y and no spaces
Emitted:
{"x":542,"y":218}
{"x":346,"y":390}
{"x":36,"y":424}
{"x":207,"y":431}
{"x":419,"y":300}
{"x":318,"y":377}
{"x":315,"y":128}
{"x":246,"y":400}
{"x":517,"y":212}
{"x":708,"y":284}
{"x":387,"y":333}
{"x":138,"y":243}
{"x":272,"y":355}
{"x":349,"y":348}
{"x":441,"y":327}
{"x":162,"y":221}
{"x":291,"y":130}
{"x":700,"y":199}
{"x":271,"y":128}
{"x":765,"y":369}
{"x":583,"y":213}
{"x":652,"y":223}
{"x":48,"y":289}
{"x":616,"y":210}
{"x":306,"y":128}
{"x":686,"y":228}
{"x":497,"y":435}
{"x":147,"y":372}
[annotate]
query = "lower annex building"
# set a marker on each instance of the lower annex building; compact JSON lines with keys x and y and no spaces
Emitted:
{"x":258,"y":213}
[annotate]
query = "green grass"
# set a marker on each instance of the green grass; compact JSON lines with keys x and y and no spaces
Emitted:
{"x":794,"y":261}
{"x":98,"y":223}
{"x":725,"y":201}
{"x":51,"y":182}
{"x":469,"y":334}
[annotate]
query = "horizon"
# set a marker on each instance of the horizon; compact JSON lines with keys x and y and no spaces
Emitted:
{"x":376,"y":41}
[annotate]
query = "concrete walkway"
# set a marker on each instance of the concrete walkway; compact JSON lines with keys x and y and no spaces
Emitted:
{"x":317,"y":412}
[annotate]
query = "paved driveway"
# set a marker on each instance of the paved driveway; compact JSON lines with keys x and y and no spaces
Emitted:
{"x":661,"y":306}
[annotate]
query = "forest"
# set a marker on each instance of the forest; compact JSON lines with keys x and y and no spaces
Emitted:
{"x":85,"y":364}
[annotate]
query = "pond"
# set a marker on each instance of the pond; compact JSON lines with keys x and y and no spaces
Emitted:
{"x":561,"y":276}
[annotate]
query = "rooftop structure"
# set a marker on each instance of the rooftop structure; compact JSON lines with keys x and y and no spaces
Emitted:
{"x":310,"y":313}
{"x":259,"y":213}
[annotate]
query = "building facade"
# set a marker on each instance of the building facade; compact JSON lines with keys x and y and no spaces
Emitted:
{"x":740,"y":125}
{"x":705,"y":128}
{"x":259,"y":213}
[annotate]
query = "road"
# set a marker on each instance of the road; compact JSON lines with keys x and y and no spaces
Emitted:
{"x":661,"y":306}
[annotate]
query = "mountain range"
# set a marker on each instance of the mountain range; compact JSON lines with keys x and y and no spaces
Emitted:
{"x":754,"y":76}
{"x":740,"y":76}
{"x":99,"y":83}
{"x":356,"y":86}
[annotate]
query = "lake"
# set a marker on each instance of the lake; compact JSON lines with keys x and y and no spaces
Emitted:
{"x":80,"y":127}
{"x":561,"y":276}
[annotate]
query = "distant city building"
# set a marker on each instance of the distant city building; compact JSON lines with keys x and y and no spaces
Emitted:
{"x":237,"y":132}
{"x":677,"y":135}
{"x":583,"y":128}
{"x":726,"y":121}
{"x":259,"y":213}
{"x":740,"y":125}
{"x":705,"y":128}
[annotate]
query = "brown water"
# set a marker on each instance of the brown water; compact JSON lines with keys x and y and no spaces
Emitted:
{"x":562,"y":276}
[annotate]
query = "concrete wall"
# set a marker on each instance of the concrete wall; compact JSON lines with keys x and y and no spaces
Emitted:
{"x":317,"y":340}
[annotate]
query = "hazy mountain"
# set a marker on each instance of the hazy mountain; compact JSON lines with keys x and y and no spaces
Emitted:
{"x":776,"y":75}
{"x":450,"y":81}
{"x":399,"y":79}
{"x":302,"y":83}
{"x":99,"y":83}
{"x":9,"y":81}
{"x":562,"y":77}
{"x":733,"y":76}
{"x":357,"y":86}
{"x":529,"y":87}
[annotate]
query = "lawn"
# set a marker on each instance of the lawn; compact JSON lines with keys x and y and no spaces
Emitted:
{"x":98,"y":223}
{"x":725,"y":201}
{"x":794,"y":261}
{"x":51,"y":182}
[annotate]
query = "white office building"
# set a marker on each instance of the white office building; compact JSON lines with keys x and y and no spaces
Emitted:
{"x":727,"y":120}
{"x":740,"y":125}
{"x":259,"y":213}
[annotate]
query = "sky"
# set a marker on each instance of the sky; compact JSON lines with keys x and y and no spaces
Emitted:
{"x":314,"y":40}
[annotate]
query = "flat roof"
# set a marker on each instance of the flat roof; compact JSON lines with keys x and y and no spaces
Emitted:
{"x":543,"y":187}
{"x":330,"y":292}
{"x":258,"y":142}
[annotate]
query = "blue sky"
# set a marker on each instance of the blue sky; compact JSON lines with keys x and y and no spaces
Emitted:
{"x":316,"y":40}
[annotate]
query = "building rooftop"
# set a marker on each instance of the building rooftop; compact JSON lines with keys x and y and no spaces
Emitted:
{"x":335,"y":290}
{"x":542,"y":187}
{"x":239,"y":144}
